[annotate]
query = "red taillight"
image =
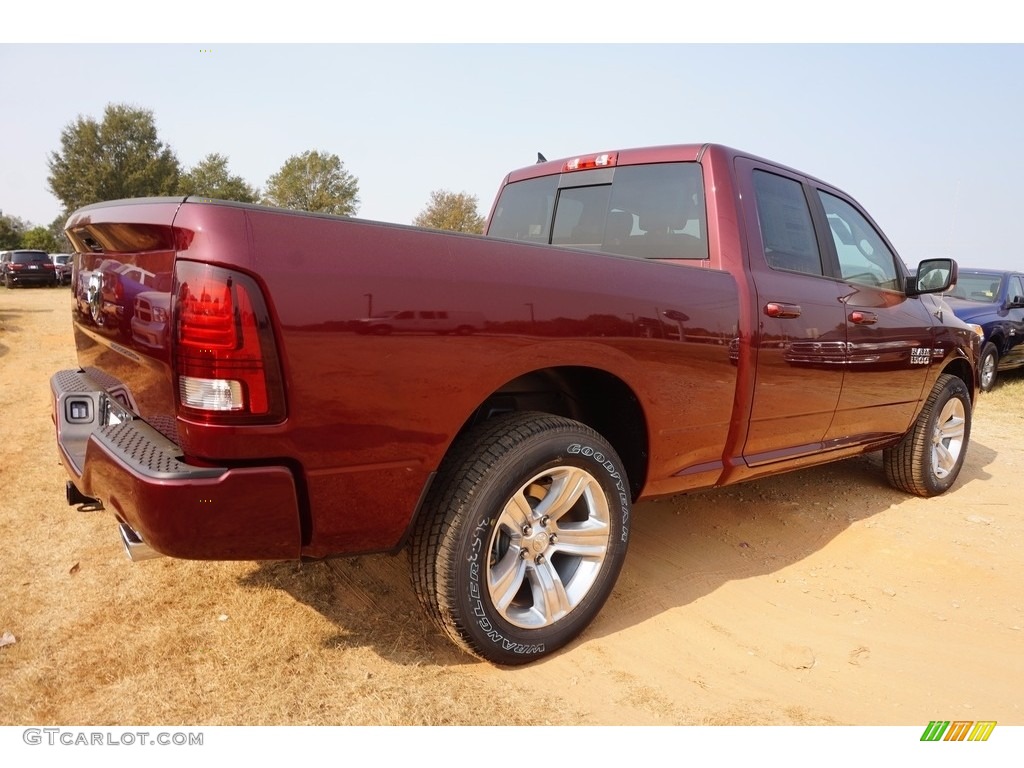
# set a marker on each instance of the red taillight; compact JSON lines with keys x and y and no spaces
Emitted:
{"x":603,"y":160}
{"x":225,"y":356}
{"x":207,"y":315}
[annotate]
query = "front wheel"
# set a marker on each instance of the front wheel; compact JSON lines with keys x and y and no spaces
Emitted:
{"x":522,"y":536}
{"x":989,"y":366}
{"x":928,"y":459}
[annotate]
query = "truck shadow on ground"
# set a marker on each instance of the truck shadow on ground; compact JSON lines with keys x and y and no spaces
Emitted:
{"x":681,"y":550}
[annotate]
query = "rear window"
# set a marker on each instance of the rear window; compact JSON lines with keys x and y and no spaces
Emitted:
{"x":652,"y":211}
{"x":30,"y":257}
{"x":524,"y":210}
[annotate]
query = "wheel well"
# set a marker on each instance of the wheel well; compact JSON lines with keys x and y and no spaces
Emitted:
{"x":962,"y":370}
{"x":598,"y":399}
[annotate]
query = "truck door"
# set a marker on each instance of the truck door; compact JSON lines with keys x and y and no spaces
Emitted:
{"x":889,"y":335}
{"x":1013,"y":354}
{"x":799,"y":333}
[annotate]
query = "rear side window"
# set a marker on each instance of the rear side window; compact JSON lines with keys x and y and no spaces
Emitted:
{"x":1016,"y":289}
{"x":652,"y":211}
{"x":785,"y":221}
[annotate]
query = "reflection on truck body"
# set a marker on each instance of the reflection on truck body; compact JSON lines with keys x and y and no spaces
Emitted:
{"x":422,"y":321}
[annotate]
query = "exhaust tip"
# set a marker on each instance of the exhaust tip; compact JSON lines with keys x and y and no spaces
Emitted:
{"x":136,"y":549}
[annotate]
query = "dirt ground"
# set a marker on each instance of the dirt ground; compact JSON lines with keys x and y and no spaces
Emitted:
{"x":818,"y":597}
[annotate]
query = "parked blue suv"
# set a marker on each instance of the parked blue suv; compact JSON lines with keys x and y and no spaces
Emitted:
{"x":993,"y":299}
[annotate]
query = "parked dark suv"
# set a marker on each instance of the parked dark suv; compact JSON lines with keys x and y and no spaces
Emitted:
{"x":993,"y":299}
{"x":27,"y":268}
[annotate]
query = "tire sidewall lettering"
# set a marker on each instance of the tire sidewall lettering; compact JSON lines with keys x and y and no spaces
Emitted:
{"x":476,"y":596}
{"x":491,"y":627}
{"x":577,"y":449}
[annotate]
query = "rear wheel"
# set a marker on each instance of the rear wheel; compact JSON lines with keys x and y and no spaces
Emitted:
{"x":522,"y":536}
{"x":989,"y":367}
{"x":928,"y":459}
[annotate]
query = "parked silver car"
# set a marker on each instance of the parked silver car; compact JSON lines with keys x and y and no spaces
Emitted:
{"x":62,"y":264}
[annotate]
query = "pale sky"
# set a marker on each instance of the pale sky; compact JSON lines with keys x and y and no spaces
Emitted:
{"x":924,"y":135}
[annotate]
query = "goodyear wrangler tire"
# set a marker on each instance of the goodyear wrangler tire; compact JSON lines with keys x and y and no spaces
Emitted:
{"x":928,"y":459}
{"x":522,"y":536}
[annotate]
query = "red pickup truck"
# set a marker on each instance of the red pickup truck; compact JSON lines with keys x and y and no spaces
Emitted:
{"x":645,"y":322}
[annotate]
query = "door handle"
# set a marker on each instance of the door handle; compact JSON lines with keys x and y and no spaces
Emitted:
{"x":779,"y":309}
{"x":860,"y":317}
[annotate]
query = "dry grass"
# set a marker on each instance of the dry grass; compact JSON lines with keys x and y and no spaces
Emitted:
{"x":1008,"y":392}
{"x":103,"y":641}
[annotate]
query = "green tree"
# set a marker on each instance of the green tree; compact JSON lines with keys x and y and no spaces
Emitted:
{"x":120,"y":157}
{"x":11,"y":230}
{"x":56,"y":228}
{"x":314,"y":181}
{"x":210,"y":178}
{"x":452,"y":211}
{"x":40,"y":239}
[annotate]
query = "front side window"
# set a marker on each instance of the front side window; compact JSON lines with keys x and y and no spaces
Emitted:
{"x":787,"y":232}
{"x":1016,"y":289}
{"x":864,"y":258}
